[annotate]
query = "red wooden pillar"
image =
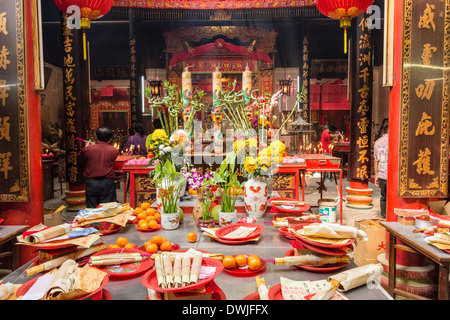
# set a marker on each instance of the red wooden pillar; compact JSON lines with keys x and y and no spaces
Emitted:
{"x":29,"y":213}
{"x":393,"y":200}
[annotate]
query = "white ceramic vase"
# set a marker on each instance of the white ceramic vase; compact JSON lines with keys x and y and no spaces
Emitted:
{"x":227,"y":218}
{"x":255,"y":197}
{"x":170,"y":221}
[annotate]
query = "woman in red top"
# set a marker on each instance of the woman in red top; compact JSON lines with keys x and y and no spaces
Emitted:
{"x":326,"y":139}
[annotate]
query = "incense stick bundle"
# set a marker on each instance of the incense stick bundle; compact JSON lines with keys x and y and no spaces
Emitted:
{"x":185,"y":270}
{"x":333,"y":231}
{"x":195,"y":268}
{"x":177,"y":272}
{"x":356,"y":277}
{"x":263,"y":291}
{"x":311,"y":260}
{"x":159,"y":272}
{"x":168,"y":271}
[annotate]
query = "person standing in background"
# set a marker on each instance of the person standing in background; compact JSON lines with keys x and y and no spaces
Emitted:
{"x":137,"y":141}
{"x":326,"y":139}
{"x":99,"y":172}
{"x":123,"y":143}
{"x":380,"y":153}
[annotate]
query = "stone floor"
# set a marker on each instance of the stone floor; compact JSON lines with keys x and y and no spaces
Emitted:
{"x":311,"y":197}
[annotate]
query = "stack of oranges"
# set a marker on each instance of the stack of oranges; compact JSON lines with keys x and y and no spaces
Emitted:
{"x":122,"y":242}
{"x":252,"y":261}
{"x":148,"y":217}
{"x":157,"y":243}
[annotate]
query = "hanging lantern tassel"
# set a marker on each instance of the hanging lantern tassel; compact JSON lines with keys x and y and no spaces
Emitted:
{"x":345,"y":23}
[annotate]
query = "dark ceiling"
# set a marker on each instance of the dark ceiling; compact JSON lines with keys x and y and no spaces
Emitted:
{"x":109,"y":37}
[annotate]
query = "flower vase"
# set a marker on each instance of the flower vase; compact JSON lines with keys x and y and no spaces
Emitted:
{"x":197,"y":211}
{"x":170,"y":221}
{"x":159,"y":203}
{"x":202,"y":223}
{"x":227,"y":218}
{"x":255,"y":197}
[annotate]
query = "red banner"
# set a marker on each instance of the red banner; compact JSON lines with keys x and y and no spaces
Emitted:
{"x":213,"y":4}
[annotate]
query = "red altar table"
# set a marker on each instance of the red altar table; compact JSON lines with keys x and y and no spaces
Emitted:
{"x":141,"y":185}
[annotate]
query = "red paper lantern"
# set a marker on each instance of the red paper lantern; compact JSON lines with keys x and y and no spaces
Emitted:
{"x":343,"y":10}
{"x":90,"y":9}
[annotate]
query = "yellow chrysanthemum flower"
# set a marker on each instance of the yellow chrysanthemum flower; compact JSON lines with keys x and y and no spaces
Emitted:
{"x":250,"y":164}
{"x":239,"y":145}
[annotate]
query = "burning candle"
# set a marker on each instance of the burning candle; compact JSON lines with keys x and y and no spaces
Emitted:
{"x":139,"y":149}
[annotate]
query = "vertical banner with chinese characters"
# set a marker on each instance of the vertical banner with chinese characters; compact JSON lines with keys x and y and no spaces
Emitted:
{"x":305,"y":74}
{"x":76,"y":99}
{"x":425,"y":97}
{"x":14,"y":158}
{"x":361,"y":101}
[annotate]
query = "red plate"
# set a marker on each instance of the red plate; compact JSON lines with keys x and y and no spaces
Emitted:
{"x":104,"y":228}
{"x":318,"y":244}
{"x":285,"y":232}
{"x":222,"y":232}
{"x":106,"y":295}
{"x":1,"y":220}
{"x":328,"y":251}
{"x":298,"y":209}
{"x":328,"y":268}
{"x":27,"y":285}
{"x":150,"y":280}
{"x":125,"y":270}
{"x":245,"y":272}
{"x":252,"y":296}
{"x":275,"y":292}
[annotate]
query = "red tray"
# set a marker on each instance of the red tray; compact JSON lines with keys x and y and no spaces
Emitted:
{"x":125,"y":270}
{"x":222,"y":232}
{"x":106,"y":295}
{"x":149,"y":279}
{"x":275,"y":292}
{"x":245,"y":272}
{"x":329,"y":268}
{"x":328,"y":251}
{"x":93,"y":295}
{"x":299,"y":209}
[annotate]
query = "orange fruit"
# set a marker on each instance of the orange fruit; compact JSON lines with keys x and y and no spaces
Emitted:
{"x":143,"y":225}
{"x":141,"y":215}
{"x":192,"y":237}
{"x":121,"y":241}
{"x":252,"y":256}
{"x":138,"y":210}
{"x":112,"y":246}
{"x":152,"y":224}
{"x":151,"y":211}
{"x":157,"y":215}
{"x":166,"y":246}
{"x":157,"y":240}
{"x":151,"y":248}
{"x":145,"y":205}
{"x":241,"y":260}
{"x":229,"y":262}
{"x":148,"y":218}
{"x":129,"y":245}
{"x":254,"y":264}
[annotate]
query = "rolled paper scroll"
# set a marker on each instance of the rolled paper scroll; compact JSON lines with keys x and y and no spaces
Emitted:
{"x":357,"y":276}
{"x":195,"y":268}
{"x":43,"y":233}
{"x":6,"y":290}
{"x":55,"y":263}
{"x":168,"y":271}
{"x":263,"y":291}
{"x":311,"y":260}
{"x":64,"y":280}
{"x":217,"y":88}
{"x":160,"y":272}
{"x":114,"y":259}
{"x":333,"y":231}
{"x":185,"y":270}
{"x":177,"y":272}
